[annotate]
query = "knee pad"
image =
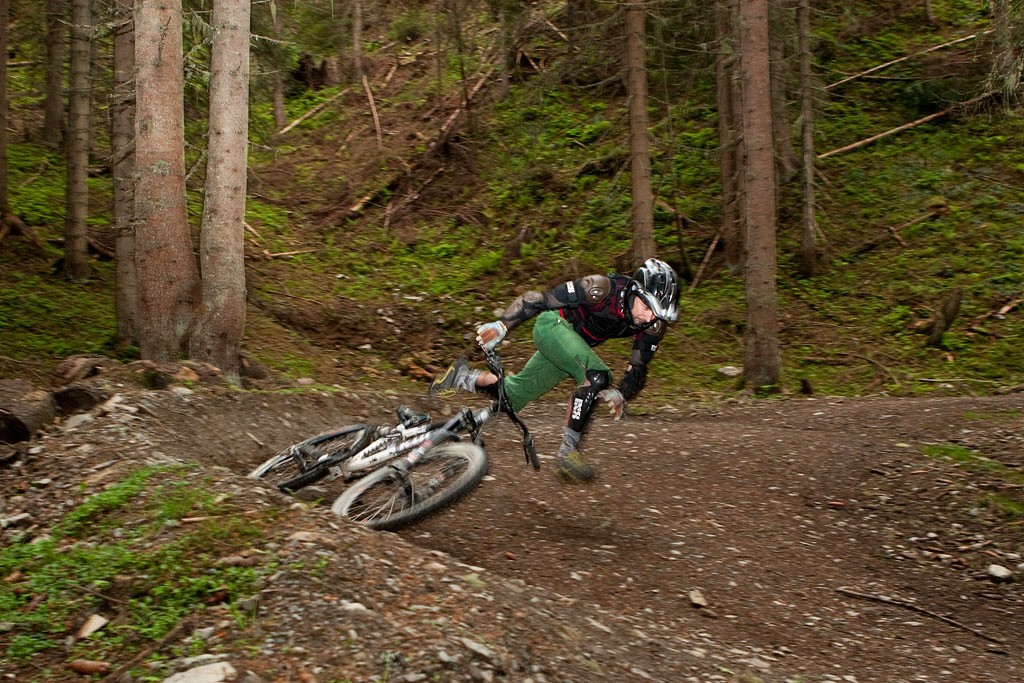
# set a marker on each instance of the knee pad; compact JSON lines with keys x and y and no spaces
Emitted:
{"x":599,"y":379}
{"x":581,"y":404}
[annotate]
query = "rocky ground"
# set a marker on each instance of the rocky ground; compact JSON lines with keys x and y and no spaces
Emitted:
{"x":779,"y":540}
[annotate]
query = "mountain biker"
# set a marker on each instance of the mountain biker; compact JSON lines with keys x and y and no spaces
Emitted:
{"x":572,"y":318}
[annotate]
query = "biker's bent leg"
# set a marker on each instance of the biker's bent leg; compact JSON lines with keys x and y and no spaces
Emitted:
{"x":560,"y":353}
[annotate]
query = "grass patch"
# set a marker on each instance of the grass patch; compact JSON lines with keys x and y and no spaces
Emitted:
{"x":973,"y":461}
{"x":124,"y":553}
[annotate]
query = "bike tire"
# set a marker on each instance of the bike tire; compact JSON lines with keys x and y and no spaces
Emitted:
{"x":291,"y":469}
{"x":381,"y":500}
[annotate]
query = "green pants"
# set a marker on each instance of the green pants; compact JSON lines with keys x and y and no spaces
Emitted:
{"x":560,"y":353}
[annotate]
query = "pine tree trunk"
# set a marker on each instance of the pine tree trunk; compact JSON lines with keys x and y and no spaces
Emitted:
{"x":122,"y":144}
{"x":1007,"y":71}
{"x":786,"y":164}
{"x":809,"y":259}
{"x":76,"y":249}
{"x":53,"y":108}
{"x":728,"y":148}
{"x":5,"y":14}
{"x":221,"y":319}
{"x":639,"y":140}
{"x":165,"y":264}
{"x":762,"y":365}
{"x":277,"y":97}
{"x":357,"y":39}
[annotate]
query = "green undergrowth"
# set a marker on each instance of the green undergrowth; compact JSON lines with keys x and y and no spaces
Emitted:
{"x":1005,"y":498}
{"x":127,"y":553}
{"x":905,"y":222}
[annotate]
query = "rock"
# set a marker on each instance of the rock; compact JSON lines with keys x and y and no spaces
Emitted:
{"x":21,"y":519}
{"x":998,"y":572}
{"x":697,"y":598}
{"x":219,"y":672}
{"x":76,"y":421}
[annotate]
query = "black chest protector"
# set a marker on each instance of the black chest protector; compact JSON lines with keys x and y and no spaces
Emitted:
{"x":598,"y":319}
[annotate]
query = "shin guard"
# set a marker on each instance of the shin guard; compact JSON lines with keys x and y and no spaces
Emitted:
{"x":581,"y":404}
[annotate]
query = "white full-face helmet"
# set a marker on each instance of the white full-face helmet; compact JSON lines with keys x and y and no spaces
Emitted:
{"x":658,"y":286}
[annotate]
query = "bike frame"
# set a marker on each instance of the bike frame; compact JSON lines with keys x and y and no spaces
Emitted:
{"x":414,"y":441}
{"x":400,"y":440}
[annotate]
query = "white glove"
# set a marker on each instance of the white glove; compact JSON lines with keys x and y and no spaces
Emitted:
{"x":616,"y":403}
{"x":490,"y":335}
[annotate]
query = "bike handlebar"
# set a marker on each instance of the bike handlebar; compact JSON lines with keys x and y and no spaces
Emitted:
{"x":505,"y":406}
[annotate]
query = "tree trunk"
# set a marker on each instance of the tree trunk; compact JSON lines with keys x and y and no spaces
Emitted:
{"x":280,"y":117}
{"x":165,"y":264}
{"x":1007,"y":69}
{"x":53,"y":108}
{"x":122,"y":148}
{"x":357,"y":39}
{"x":762,"y":365}
{"x":221,"y":318}
{"x":76,"y":238}
{"x":810,"y":262}
{"x":728,"y":147}
{"x":639,"y":140}
{"x":5,"y":14}
{"x":786,"y":164}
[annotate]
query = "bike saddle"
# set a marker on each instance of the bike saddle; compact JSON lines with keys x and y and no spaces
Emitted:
{"x":410,"y":418}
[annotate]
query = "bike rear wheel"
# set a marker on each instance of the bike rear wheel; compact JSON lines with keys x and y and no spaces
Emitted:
{"x":307,"y":462}
{"x":391,"y":497}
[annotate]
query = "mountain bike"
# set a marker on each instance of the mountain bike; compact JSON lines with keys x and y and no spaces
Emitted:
{"x":395,"y":475}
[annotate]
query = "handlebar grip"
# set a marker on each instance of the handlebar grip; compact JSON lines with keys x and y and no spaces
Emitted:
{"x":531,"y":452}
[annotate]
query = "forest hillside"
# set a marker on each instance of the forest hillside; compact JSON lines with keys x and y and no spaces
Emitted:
{"x":390,"y":216}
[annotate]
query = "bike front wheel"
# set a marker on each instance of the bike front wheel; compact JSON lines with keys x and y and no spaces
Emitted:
{"x":307,"y":462}
{"x":397,"y":495}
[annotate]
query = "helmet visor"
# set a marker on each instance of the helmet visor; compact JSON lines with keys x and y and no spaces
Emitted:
{"x":669,"y":313}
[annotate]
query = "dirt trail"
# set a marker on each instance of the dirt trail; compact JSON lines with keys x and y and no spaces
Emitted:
{"x":790,"y":540}
{"x":781,"y":516}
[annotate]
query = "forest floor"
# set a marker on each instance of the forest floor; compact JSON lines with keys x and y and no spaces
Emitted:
{"x":797,"y":540}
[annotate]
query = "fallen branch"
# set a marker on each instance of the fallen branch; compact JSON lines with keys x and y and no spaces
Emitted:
{"x":896,"y":236}
{"x":389,"y":211}
{"x":906,"y":126}
{"x":312,"y":112}
{"x":1003,"y":310}
{"x":267,"y":254}
{"x":99,"y":249}
{"x":146,"y":652}
{"x":903,"y":59}
{"x":920,"y":610}
{"x":704,"y":261}
{"x":206,"y":518}
{"x":874,"y":138}
{"x":895,"y":231}
{"x":446,"y":129}
{"x":373,"y":110}
{"x":957,"y":379}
